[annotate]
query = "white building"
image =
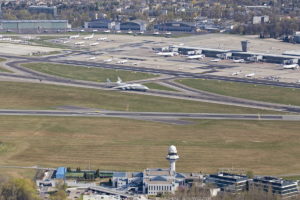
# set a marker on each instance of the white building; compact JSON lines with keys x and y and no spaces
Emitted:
{"x":260,"y":19}
{"x":153,"y":180}
{"x":161,"y":181}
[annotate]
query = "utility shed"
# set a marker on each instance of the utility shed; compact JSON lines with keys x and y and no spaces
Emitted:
{"x":60,"y":173}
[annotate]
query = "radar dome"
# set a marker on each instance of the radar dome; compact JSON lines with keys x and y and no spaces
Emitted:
{"x":172,"y":149}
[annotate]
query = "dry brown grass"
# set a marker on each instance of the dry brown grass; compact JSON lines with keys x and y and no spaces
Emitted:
{"x":43,"y":96}
{"x":120,"y":144}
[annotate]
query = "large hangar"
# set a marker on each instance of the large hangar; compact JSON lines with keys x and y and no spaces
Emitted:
{"x":33,"y":26}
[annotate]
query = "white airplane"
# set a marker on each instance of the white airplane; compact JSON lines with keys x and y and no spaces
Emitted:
{"x":106,"y":31}
{"x":156,"y":33}
{"x":167,"y":54}
{"x":239,"y":61}
{"x":94,"y":44}
{"x":92,"y":58}
{"x":108,"y":60}
{"x":74,"y":36}
{"x":129,"y":32}
{"x":89,"y":37}
{"x":168,"y":33}
{"x":250,"y":75}
{"x":291,"y":66}
{"x":6,"y":39}
{"x":79,"y":43}
{"x":215,"y":60}
{"x":141,"y":32}
{"x":200,"y":56}
{"x":118,"y":31}
{"x":66,"y":41}
{"x":102,"y":39}
{"x":236,"y":73}
{"x":128,"y":86}
{"x":122,"y":61}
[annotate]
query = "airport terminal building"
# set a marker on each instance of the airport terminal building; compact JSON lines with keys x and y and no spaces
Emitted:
{"x":34,"y":26}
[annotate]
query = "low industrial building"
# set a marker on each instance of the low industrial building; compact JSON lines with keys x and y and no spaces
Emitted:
{"x":248,"y":56}
{"x":229,"y":182}
{"x":176,"y":26}
{"x":34,"y":26}
{"x":123,"y":179}
{"x":285,"y":189}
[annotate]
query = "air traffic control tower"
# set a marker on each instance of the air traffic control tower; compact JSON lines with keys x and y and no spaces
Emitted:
{"x":172,"y":157}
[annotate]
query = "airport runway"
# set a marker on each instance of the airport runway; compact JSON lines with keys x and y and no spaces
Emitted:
{"x":153,"y":116}
{"x":190,"y":94}
{"x":186,"y":92}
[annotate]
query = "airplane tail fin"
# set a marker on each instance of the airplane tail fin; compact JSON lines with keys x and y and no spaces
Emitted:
{"x":119,"y":80}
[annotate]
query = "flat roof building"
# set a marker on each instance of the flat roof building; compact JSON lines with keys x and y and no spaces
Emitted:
{"x":269,"y":58}
{"x":34,"y":26}
{"x":229,"y":182}
{"x":281,"y":187}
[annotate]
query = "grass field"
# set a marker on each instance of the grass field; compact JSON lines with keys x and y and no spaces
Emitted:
{"x":121,"y":144}
{"x":247,"y":91}
{"x":292,"y":178}
{"x":42,"y":41}
{"x":43,"y":96}
{"x":2,"y":69}
{"x":17,"y":173}
{"x":158,"y":86}
{"x":87,"y":73}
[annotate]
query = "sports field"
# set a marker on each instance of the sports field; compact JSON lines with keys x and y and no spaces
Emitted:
{"x":43,"y":96}
{"x":87,"y":73}
{"x":247,"y":91}
{"x":121,"y":144}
